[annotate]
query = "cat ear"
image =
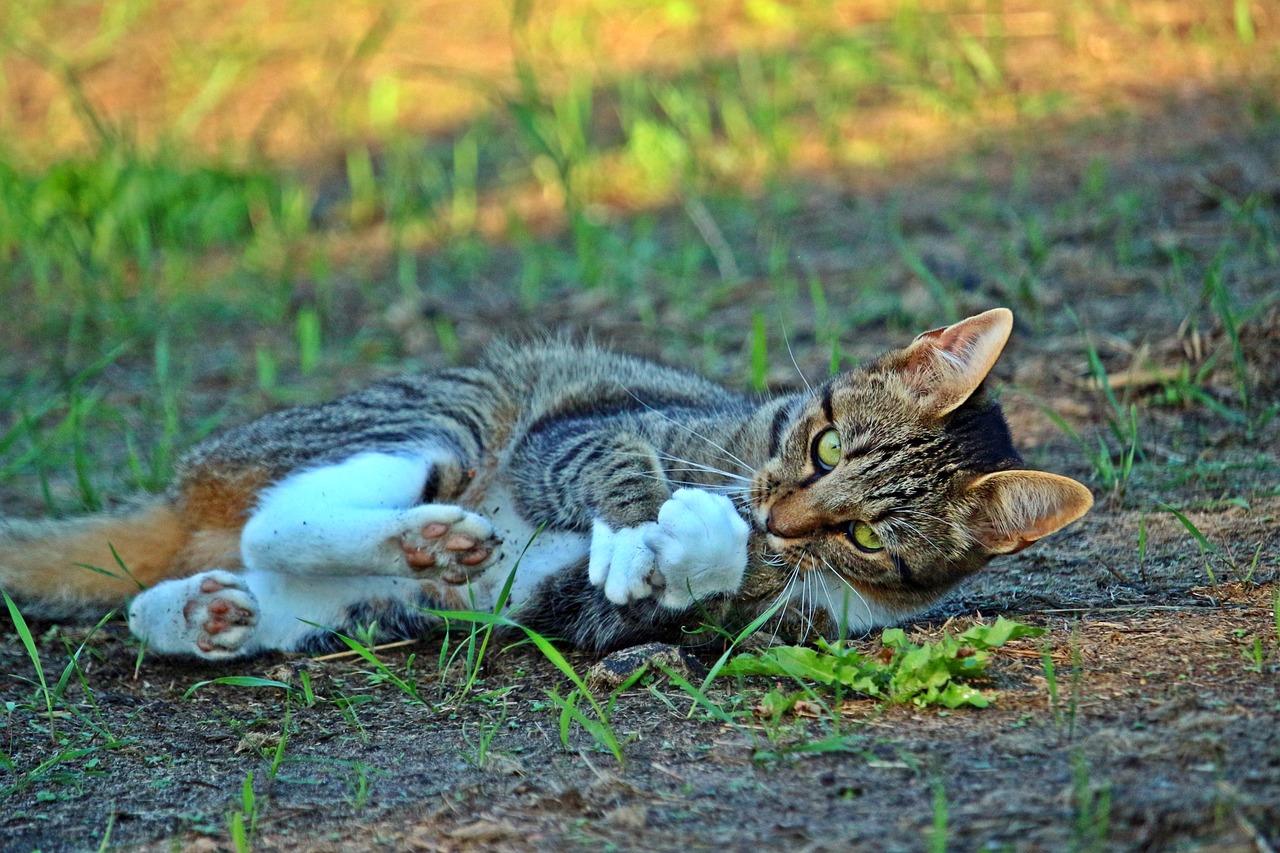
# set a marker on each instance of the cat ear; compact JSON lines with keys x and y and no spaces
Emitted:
{"x":1016,"y":508}
{"x":945,"y":366}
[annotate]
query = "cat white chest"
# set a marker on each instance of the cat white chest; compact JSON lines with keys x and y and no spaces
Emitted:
{"x":533,"y":554}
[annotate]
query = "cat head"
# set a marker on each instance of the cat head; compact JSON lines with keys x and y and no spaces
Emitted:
{"x":895,"y":480}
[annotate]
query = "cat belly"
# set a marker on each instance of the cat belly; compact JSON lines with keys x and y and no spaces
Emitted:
{"x":534,"y":555}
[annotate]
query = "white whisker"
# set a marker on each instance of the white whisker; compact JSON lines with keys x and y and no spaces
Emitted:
{"x":923,"y":537}
{"x":964,"y":532}
{"x":710,"y":469}
{"x":856,"y":594}
{"x":728,"y":456}
{"x":786,"y":340}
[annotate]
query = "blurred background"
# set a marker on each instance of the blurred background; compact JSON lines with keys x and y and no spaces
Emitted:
{"x":210,"y":210}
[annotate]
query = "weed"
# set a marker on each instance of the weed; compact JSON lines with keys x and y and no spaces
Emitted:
{"x":759,"y":353}
{"x":927,"y":674}
{"x":1051,"y":684}
{"x":570,"y":705}
{"x":938,"y":832}
{"x":242,"y":823}
{"x":239,"y":681}
{"x":1243,"y":572}
{"x":1077,"y":681}
{"x":1092,"y":804}
{"x":488,"y":729}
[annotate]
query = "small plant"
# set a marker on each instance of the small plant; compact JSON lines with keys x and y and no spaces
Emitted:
{"x":1092,"y":806}
{"x":930,"y":674}
{"x":488,"y":730}
{"x":1051,"y":683}
{"x":243,"y":822}
{"x":1243,"y":573}
{"x":938,"y":832}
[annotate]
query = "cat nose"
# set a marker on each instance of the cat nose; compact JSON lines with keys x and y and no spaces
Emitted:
{"x":771,"y":525}
{"x":798,"y":516}
{"x":785,"y":524}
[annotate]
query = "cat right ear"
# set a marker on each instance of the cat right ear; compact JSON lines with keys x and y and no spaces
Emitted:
{"x":945,"y":366}
{"x":1013,"y":509}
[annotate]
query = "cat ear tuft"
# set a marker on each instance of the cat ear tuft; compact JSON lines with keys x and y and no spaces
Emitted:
{"x":1016,"y":508}
{"x":945,"y":366}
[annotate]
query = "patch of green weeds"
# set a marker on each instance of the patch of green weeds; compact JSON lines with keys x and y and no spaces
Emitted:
{"x":597,"y":724}
{"x":476,"y":645}
{"x":929,"y":674}
{"x":75,"y":737}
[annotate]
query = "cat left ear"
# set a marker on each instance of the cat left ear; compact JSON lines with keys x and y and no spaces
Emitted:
{"x":1016,"y":508}
{"x":945,"y":366}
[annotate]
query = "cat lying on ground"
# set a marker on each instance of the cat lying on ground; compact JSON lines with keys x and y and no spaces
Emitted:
{"x":658,"y":499}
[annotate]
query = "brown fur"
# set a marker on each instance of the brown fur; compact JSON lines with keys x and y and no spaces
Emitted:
{"x":197,"y":529}
{"x":46,"y":563}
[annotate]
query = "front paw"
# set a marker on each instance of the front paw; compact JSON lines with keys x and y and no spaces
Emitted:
{"x":697,"y":548}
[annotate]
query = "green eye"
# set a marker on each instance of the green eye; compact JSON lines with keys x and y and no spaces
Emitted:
{"x":827,"y":449}
{"x":864,"y":537}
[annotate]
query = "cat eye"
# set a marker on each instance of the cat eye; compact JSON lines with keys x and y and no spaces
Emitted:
{"x":864,"y":537}
{"x":827,"y":449}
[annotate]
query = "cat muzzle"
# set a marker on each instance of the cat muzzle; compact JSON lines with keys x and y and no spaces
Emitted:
{"x":792,"y":517}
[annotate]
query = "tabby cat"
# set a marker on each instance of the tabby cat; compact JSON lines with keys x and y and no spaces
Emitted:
{"x":631,"y":501}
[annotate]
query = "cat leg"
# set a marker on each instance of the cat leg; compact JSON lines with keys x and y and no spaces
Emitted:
{"x":219,"y":615}
{"x":212,"y":615}
{"x":365,"y":516}
{"x":696,"y":548}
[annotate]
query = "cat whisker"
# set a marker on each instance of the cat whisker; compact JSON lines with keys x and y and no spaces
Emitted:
{"x":941,"y":553}
{"x":711,"y":469}
{"x":826,"y":593}
{"x":695,"y":484}
{"x":964,"y":532}
{"x":781,"y":599}
{"x":787,"y":340}
{"x":856,"y":594}
{"x":728,"y":455}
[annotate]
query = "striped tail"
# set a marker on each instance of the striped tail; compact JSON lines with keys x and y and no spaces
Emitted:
{"x":86,"y":566}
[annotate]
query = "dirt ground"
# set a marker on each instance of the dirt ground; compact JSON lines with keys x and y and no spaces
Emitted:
{"x":1160,"y":733}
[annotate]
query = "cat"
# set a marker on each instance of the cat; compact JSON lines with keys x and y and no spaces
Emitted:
{"x":631,"y":501}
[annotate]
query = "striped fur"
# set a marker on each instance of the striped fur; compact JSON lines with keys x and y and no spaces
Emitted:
{"x":573,"y":437}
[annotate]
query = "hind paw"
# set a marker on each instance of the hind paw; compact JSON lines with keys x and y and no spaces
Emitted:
{"x":222,"y":613}
{"x":211,"y":615}
{"x":448,"y":541}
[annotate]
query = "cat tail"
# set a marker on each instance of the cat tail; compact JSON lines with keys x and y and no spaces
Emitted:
{"x":85,"y":566}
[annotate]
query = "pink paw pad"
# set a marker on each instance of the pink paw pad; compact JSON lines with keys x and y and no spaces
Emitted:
{"x":222,"y":614}
{"x":449,"y":539}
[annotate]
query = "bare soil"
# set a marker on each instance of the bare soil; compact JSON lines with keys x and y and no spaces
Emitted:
{"x":1163,"y":734}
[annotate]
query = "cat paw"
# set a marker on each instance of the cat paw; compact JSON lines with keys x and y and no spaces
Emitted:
{"x":448,"y":541}
{"x":696,"y":548}
{"x":222,"y":614}
{"x":211,"y":615}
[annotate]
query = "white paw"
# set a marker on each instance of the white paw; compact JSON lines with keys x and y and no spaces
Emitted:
{"x":211,"y":615}
{"x":697,"y":548}
{"x":448,"y":540}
